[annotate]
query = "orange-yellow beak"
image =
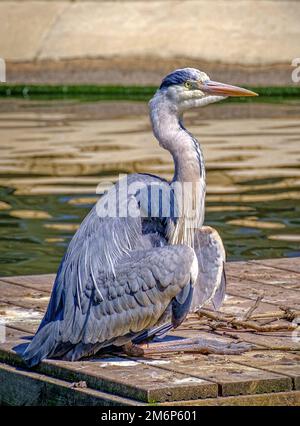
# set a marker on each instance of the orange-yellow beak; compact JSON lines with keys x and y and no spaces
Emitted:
{"x":216,"y":88}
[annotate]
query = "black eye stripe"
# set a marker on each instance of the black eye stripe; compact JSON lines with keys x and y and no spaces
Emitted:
{"x":178,"y":77}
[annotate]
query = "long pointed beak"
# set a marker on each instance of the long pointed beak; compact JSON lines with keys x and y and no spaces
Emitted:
{"x":216,"y":88}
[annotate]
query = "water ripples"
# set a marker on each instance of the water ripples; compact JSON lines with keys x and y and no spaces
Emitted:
{"x":51,"y":164}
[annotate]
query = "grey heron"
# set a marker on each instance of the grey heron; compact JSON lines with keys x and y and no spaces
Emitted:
{"x":128,"y":278}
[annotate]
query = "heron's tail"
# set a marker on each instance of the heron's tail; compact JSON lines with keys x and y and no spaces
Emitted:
{"x":43,"y":344}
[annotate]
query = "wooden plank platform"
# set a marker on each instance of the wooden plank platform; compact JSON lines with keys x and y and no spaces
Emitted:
{"x":267,"y":375}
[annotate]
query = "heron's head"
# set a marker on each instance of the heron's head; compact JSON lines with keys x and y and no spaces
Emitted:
{"x":189,"y":88}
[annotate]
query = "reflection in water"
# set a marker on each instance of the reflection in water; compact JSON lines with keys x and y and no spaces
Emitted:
{"x":51,"y":164}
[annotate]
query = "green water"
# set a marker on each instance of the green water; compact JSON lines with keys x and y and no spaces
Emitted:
{"x":54,"y":153}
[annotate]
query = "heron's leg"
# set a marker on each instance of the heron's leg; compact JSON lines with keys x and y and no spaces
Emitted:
{"x":195,"y":345}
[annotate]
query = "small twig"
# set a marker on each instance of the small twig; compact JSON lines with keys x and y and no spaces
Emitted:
{"x":289,"y":314}
{"x":268,"y":315}
{"x":235,"y":323}
{"x":269,"y":321}
{"x":254,"y":307}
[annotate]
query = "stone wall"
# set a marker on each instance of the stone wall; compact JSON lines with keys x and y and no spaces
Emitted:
{"x":247,"y":32}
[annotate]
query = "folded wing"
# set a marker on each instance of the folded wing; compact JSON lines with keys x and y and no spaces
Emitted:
{"x":211,"y":282}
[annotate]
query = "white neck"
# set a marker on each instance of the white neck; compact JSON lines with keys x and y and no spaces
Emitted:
{"x":189,"y":166}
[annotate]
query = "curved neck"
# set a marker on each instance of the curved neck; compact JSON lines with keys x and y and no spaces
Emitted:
{"x":189,"y":168}
{"x":168,"y":129}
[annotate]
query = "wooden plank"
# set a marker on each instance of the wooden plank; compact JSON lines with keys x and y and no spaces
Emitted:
{"x":27,"y":327}
{"x":26,"y":320}
{"x":125,"y":377}
{"x":23,"y":297}
{"x":286,"y":363}
{"x":143,"y":381}
{"x":192,"y":333}
{"x":43,"y":283}
{"x":265,"y":399}
{"x":159,"y":378}
{"x":178,"y":377}
{"x":21,"y":387}
{"x":290,"y":264}
{"x":284,"y":341}
{"x":238,"y":306}
{"x":278,"y":296}
{"x":232,"y":378}
{"x":260,"y":273}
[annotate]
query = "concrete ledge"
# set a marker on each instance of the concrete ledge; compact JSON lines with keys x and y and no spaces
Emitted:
{"x":139,"y":71}
{"x":252,"y":32}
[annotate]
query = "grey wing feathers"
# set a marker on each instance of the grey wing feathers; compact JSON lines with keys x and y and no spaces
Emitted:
{"x":146,"y":283}
{"x":211,"y":281}
{"x":108,"y":286}
{"x":173,"y":316}
{"x":219,"y":296}
{"x":112,"y":285}
{"x":133,"y":301}
{"x":95,"y":249}
{"x":92,"y":255}
{"x":88,"y":255}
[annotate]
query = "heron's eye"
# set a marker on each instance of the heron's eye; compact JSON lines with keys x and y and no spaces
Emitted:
{"x":188,"y":84}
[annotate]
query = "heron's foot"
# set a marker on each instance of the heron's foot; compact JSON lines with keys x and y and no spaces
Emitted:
{"x":131,"y":349}
{"x":196,"y":345}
